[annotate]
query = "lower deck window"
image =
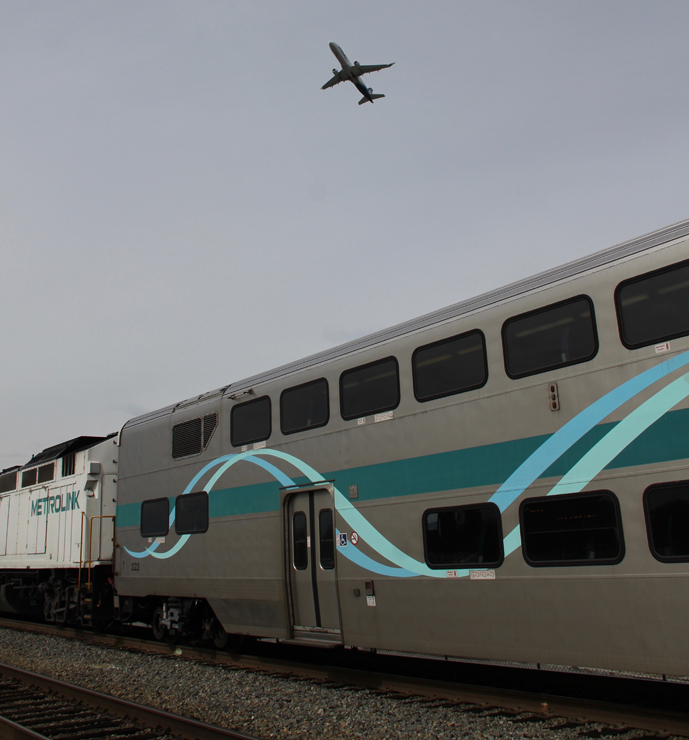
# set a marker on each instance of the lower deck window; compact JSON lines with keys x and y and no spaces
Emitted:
{"x":463,"y":536}
{"x":667,"y":521}
{"x":299,"y":541}
{"x":191,"y":513}
{"x":576,"y":529}
{"x":326,"y":539}
{"x":155,"y":517}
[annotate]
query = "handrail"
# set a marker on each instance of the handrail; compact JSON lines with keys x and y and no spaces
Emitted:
{"x":81,"y":546}
{"x":101,"y":516}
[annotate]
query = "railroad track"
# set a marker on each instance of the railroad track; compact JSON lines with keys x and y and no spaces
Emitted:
{"x":592,"y":718}
{"x":35,"y":707}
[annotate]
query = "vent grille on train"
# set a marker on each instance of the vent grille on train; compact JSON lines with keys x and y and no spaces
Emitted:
{"x":190,"y":437}
{"x":210,"y":421}
{"x":186,"y":438}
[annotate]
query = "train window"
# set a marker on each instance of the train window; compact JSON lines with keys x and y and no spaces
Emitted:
{"x":573,"y":529}
{"x":555,"y":336}
{"x":304,"y":407}
{"x":46,"y":473}
{"x":29,"y":477}
{"x":450,"y":366}
{"x":667,"y":521}
{"x":299,"y":541}
{"x":8,"y":481}
{"x":186,"y":438}
{"x":369,"y":389}
{"x":654,"y":307}
{"x":250,"y":421}
{"x":68,"y":464}
{"x":191,"y":513}
{"x":463,"y":536}
{"x":155,"y":517}
{"x":326,"y":539}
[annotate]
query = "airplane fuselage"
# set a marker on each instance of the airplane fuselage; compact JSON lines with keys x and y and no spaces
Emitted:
{"x":347,"y":70}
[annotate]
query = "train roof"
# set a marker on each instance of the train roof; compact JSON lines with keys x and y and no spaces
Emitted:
{"x":548,"y":277}
{"x":78,"y":444}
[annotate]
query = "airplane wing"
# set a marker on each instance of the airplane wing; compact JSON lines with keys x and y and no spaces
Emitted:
{"x":333,"y":81}
{"x":363,"y":69}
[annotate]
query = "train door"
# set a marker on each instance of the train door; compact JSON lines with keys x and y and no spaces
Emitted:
{"x":311,"y":565}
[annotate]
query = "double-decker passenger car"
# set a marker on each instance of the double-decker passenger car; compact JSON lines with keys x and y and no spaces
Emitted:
{"x":506,"y":479}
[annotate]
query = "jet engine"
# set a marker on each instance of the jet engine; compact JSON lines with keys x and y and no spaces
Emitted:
{"x":356,"y":64}
{"x":334,"y":71}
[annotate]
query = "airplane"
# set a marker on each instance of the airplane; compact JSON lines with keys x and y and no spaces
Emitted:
{"x":353,"y":72}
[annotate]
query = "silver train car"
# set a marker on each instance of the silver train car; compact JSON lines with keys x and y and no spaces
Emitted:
{"x":506,"y":479}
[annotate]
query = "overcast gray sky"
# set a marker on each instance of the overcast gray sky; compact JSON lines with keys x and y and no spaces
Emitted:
{"x":181,"y":205}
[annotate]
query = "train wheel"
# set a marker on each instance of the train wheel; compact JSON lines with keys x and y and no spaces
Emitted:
{"x":159,"y":631}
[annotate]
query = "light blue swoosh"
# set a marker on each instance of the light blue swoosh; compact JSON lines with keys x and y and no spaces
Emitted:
{"x":612,"y":444}
{"x":556,"y":445}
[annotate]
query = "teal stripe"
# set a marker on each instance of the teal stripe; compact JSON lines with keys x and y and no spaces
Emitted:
{"x":490,"y":465}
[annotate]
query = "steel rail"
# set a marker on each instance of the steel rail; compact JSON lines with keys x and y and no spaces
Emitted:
{"x":488,"y":698}
{"x":12,"y":731}
{"x":187,"y":728}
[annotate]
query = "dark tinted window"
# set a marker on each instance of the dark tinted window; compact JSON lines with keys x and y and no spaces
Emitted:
{"x":191,"y":513}
{"x":300,"y":545}
{"x":29,"y":477}
{"x":463,"y":535}
{"x":369,"y":389}
{"x":304,"y":407}
{"x":68,"y":462}
{"x":450,"y":366}
{"x":251,"y":421}
{"x":46,"y":473}
{"x":578,"y":529}
{"x":186,"y":438}
{"x":8,"y":482}
{"x":667,"y":521}
{"x":559,"y":335}
{"x":327,"y":540}
{"x":155,"y":517}
{"x":654,"y":307}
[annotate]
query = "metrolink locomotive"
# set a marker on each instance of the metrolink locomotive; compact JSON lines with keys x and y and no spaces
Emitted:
{"x":505,"y":479}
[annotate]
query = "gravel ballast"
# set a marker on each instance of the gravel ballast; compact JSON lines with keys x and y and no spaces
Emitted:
{"x":258,"y":704}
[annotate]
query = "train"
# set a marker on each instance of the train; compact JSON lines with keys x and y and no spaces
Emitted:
{"x":505,"y":479}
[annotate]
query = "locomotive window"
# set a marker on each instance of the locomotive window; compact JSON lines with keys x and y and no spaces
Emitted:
{"x":326,"y":539}
{"x":46,"y":473}
{"x":250,"y":421}
{"x":299,"y":542}
{"x":191,"y":513}
{"x":29,"y":477}
{"x":667,"y":521}
{"x":450,"y":366}
{"x":8,"y":482}
{"x":463,"y":535}
{"x":68,"y":463}
{"x":304,"y":407}
{"x":575,"y":529}
{"x":369,"y":389}
{"x":186,"y":438}
{"x":654,"y":307}
{"x":155,"y":517}
{"x":556,"y":336}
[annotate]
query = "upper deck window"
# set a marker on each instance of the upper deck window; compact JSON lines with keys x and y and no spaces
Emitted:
{"x":450,"y":366}
{"x":304,"y":407}
{"x":654,"y":307}
{"x":250,"y":421}
{"x":369,"y":389}
{"x":667,"y":521}
{"x":572,"y":529}
{"x":555,"y":336}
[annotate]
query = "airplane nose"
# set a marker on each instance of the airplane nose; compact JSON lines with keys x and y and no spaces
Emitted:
{"x":332,"y":45}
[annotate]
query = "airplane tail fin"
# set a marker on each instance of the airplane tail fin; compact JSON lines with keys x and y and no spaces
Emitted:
{"x":374,"y":97}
